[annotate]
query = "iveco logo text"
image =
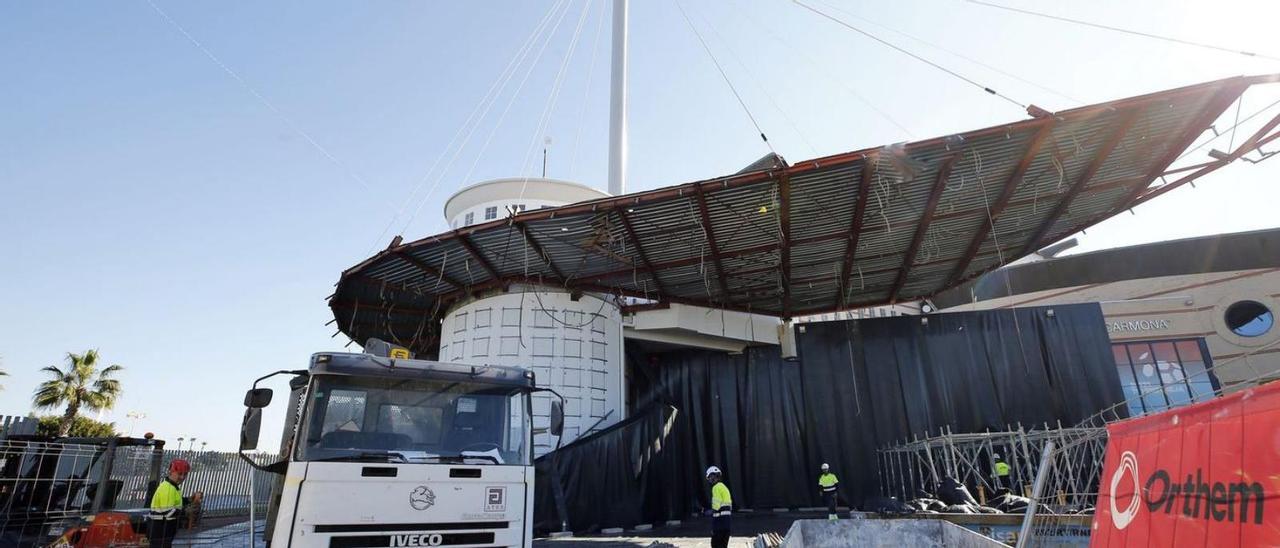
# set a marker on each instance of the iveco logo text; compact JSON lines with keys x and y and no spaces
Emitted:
{"x":434,"y":539}
{"x":1200,"y":498}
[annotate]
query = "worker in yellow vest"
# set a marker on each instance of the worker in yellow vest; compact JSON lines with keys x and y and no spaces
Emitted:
{"x":167,"y":505}
{"x":827,"y":483}
{"x":1002,"y":472}
{"x":721,"y":509}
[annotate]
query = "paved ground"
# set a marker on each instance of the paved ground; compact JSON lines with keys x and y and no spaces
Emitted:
{"x":695,"y":533}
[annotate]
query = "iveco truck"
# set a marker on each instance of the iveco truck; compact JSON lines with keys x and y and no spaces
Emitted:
{"x":382,"y":450}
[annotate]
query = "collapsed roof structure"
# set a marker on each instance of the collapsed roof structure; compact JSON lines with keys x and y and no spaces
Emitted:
{"x":863,"y":228}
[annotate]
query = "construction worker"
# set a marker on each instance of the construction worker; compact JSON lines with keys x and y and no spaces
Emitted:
{"x":1002,"y":472}
{"x":167,"y":505}
{"x":721,"y":509}
{"x":827,"y":483}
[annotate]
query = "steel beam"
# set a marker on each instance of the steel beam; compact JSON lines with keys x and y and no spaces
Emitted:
{"x":644,"y":257}
{"x":935,"y":194}
{"x":1006,"y":194}
{"x":1036,"y":240}
{"x":784,"y":241}
{"x":478,"y":256}
{"x":855,"y":228}
{"x":705,"y":216}
{"x":537,"y":248}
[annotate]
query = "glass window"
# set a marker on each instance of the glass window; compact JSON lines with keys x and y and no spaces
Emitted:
{"x":1144,"y":367}
{"x":1201,"y":381}
{"x":517,"y":208}
{"x":1169,"y":368}
{"x":1157,"y":375}
{"x":470,"y":219}
{"x":1249,"y":319}
{"x":1128,"y":383}
{"x":490,"y":213}
{"x":413,"y":420}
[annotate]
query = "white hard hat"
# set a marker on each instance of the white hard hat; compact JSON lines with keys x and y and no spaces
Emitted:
{"x":712,"y":471}
{"x":997,"y":455}
{"x":825,"y":467}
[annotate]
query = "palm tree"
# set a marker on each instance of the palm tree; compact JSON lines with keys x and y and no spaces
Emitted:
{"x":81,"y":385}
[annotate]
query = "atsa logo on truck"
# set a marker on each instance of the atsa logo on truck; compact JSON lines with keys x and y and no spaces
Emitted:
{"x":495,"y":499}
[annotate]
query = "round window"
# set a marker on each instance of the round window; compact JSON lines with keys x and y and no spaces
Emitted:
{"x":1249,"y":319}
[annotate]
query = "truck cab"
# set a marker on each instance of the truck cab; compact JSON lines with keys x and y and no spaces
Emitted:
{"x":383,"y":451}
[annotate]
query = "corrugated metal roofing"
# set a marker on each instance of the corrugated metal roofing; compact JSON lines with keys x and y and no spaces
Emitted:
{"x":783,"y":233}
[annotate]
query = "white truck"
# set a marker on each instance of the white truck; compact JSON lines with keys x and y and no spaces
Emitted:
{"x":387,"y":451}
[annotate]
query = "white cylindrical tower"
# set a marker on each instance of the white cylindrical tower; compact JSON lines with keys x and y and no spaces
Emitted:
{"x":573,"y":344}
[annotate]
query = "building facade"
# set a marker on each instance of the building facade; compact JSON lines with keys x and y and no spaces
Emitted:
{"x":1185,"y":317}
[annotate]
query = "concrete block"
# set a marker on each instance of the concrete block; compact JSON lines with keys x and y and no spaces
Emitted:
{"x":674,"y":523}
{"x":562,"y":534}
{"x":611,"y":531}
{"x":883,"y":532}
{"x":644,"y":527}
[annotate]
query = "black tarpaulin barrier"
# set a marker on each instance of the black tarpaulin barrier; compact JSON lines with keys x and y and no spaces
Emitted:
{"x":860,"y":385}
{"x":604,"y":479}
{"x":743,"y":413}
{"x":869,"y":383}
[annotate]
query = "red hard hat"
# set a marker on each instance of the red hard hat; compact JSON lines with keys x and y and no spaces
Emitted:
{"x":179,"y":465}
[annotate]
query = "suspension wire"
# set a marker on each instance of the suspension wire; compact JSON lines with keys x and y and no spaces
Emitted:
{"x":908,"y":53}
{"x":746,"y":14}
{"x":1231,"y":129}
{"x":586,"y":93}
{"x":734,"y":54}
{"x":469,"y":125}
{"x":511,"y":102}
{"x":501,"y":118}
{"x":544,"y":121}
{"x":724,"y":76}
{"x":267,"y":103}
{"x":1127,"y":31}
{"x":956,"y":54}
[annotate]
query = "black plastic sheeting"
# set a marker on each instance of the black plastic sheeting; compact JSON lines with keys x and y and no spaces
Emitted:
{"x":871,"y":383}
{"x":860,"y":384}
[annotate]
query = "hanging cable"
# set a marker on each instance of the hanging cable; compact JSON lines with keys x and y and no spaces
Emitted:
{"x":1126,"y":31}
{"x":956,"y":54}
{"x":501,"y":118}
{"x":544,"y":122}
{"x":586,"y":94}
{"x":734,"y":54}
{"x":262,"y":99}
{"x":469,"y":126}
{"x":723,"y":75}
{"x":908,"y":53}
{"x":746,"y":14}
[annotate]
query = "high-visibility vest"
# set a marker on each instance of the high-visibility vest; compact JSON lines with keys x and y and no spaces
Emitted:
{"x":828,"y":482}
{"x":167,"y":501}
{"x":721,"y":500}
{"x":1002,"y":468}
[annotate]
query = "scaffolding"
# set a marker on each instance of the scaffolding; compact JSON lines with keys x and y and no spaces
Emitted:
{"x":911,"y":469}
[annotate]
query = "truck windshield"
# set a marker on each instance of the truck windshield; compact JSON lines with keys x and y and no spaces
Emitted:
{"x":398,"y":420}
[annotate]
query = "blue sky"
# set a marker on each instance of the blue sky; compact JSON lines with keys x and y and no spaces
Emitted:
{"x":190,"y":225}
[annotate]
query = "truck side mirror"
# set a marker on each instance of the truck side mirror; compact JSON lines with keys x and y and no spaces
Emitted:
{"x":250,"y":427}
{"x":257,"y":398}
{"x":557,"y":419}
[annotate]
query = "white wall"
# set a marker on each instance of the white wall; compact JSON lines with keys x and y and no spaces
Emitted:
{"x":574,"y":347}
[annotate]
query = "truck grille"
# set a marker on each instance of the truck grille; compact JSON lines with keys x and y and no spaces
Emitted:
{"x":388,"y":527}
{"x":411,"y":539}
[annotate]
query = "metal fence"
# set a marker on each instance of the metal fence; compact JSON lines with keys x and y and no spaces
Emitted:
{"x":11,"y":425}
{"x":44,"y":486}
{"x":224,"y":478}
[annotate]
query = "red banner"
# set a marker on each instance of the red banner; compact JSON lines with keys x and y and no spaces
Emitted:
{"x":1202,"y":475}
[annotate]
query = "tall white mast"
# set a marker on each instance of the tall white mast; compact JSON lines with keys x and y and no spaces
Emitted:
{"x":618,"y":102}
